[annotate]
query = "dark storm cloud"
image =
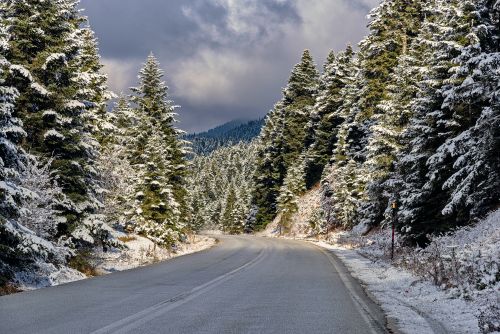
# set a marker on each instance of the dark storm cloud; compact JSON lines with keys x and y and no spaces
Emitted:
{"x":224,"y":59}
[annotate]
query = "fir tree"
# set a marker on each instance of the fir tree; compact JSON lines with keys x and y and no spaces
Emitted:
{"x":158,"y":155}
{"x":384,"y":143}
{"x":284,"y":137}
{"x":326,"y":118}
{"x":471,"y":149}
{"x":94,"y":91}
{"x":12,"y":156}
{"x":293,"y":186}
{"x":45,"y":40}
{"x":151,"y":98}
{"x":443,"y":36}
{"x":116,"y":172}
{"x":220,"y":188}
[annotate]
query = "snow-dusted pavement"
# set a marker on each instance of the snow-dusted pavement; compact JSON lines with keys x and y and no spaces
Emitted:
{"x":242,"y":285}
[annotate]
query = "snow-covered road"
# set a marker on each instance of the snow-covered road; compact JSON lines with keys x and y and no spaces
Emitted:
{"x":243,"y":285}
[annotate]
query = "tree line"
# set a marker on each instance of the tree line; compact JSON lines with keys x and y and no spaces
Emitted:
{"x":411,"y":116}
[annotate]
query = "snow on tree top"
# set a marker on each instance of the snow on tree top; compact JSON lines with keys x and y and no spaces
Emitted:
{"x":53,"y":134}
{"x":22,"y":71}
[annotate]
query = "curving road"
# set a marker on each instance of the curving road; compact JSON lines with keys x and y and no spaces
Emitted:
{"x":243,"y":285}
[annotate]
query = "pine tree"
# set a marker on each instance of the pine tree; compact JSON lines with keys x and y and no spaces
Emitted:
{"x":12,"y":156}
{"x":157,"y":154}
{"x":228,"y":212}
{"x":344,"y":179}
{"x":443,"y":36}
{"x":270,"y":167}
{"x":298,"y":99}
{"x":45,"y":40}
{"x":326,"y":118}
{"x":93,"y":90}
{"x":293,"y":186}
{"x":220,"y":188}
{"x":385,"y":140}
{"x":284,"y":137}
{"x":157,"y":213}
{"x":26,"y":189}
{"x":151,"y":98}
{"x":471,"y":149}
{"x":116,"y":172}
{"x":390,"y":22}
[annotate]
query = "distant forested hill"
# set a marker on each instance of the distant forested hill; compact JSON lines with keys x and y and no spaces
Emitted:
{"x":224,"y":135}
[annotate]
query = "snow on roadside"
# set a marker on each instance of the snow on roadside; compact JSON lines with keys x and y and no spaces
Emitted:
{"x":141,"y":251}
{"x":45,"y":275}
{"x":452,"y":284}
{"x":415,"y":305}
{"x":138,"y":251}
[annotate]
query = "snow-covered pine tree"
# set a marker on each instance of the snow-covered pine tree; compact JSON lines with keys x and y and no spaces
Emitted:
{"x":391,"y":22}
{"x":93,"y":90}
{"x":26,"y":189}
{"x":471,"y":151}
{"x":156,"y":214}
{"x":228,"y":210}
{"x":213,"y":178}
{"x":270,"y":167}
{"x":284,"y":137}
{"x":393,"y":27}
{"x":380,"y":51}
{"x":293,"y":186}
{"x":116,"y":173}
{"x":45,"y":42}
{"x":343,"y":180}
{"x":325,"y":118}
{"x":158,"y":155}
{"x":298,"y":98}
{"x":385,"y":143}
{"x":444,"y":33}
{"x":12,"y":156}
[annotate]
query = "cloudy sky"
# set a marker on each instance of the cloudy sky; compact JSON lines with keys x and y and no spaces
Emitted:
{"x":223,"y":59}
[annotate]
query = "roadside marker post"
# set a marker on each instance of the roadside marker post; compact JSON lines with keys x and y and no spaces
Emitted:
{"x":394,"y":221}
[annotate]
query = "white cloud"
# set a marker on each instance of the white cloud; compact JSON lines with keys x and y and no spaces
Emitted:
{"x":238,"y":75}
{"x":120,"y":73}
{"x":219,"y":78}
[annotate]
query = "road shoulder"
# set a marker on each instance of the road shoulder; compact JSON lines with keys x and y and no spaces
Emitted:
{"x":411,"y":304}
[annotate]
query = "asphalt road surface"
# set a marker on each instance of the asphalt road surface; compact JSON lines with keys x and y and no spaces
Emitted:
{"x":242,"y":285}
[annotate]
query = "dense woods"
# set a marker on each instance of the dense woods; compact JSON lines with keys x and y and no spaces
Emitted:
{"x":70,"y":171}
{"x":410,"y":117}
{"x":228,"y":134}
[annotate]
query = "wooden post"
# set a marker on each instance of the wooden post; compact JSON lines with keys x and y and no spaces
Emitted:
{"x":394,"y":221}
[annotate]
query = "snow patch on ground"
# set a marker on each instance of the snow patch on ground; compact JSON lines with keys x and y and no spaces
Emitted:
{"x":45,"y":275}
{"x":415,"y":305}
{"x":140,"y":251}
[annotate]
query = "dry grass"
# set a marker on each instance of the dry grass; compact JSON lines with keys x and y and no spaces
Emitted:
{"x":127,"y":238}
{"x":8,"y":289}
{"x":82,"y":262}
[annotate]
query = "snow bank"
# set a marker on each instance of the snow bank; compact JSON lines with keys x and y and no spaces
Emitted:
{"x":140,"y":251}
{"x":414,"y":305}
{"x":455,"y":280}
